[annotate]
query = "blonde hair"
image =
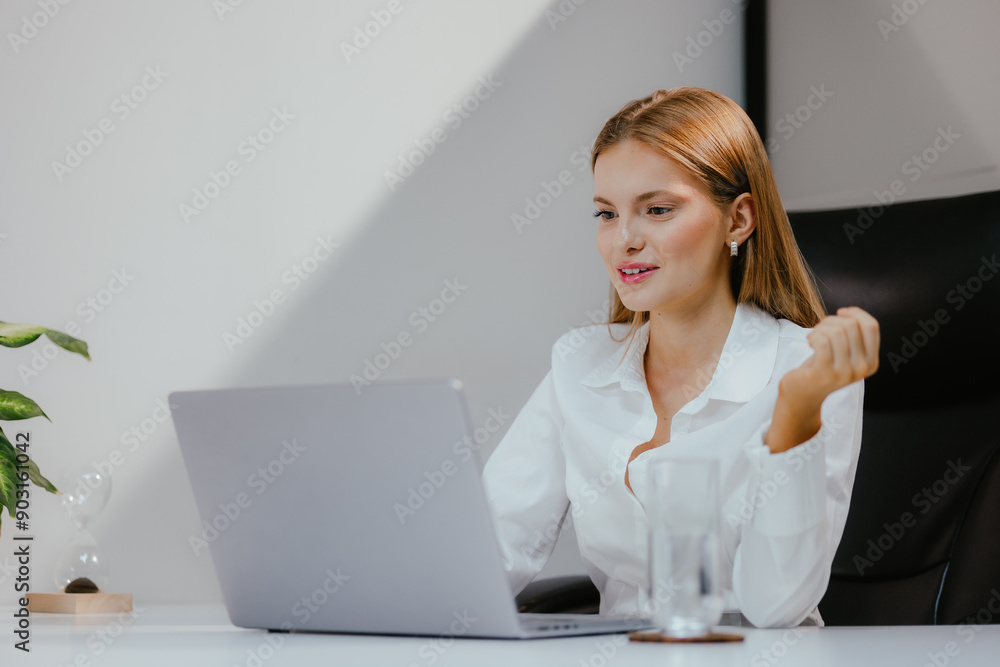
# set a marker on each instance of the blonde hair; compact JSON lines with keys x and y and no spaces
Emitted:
{"x":710,"y":136}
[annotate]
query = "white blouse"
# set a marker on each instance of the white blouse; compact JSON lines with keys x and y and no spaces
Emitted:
{"x":565,"y":454}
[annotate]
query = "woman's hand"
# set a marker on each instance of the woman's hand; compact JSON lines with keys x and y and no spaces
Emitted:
{"x":845,"y":350}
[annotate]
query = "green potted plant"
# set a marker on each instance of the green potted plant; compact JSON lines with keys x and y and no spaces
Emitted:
{"x":14,"y":405}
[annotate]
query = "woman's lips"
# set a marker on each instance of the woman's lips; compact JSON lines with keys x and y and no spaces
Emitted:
{"x":635,"y":277}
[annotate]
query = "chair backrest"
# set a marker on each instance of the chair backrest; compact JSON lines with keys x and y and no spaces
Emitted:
{"x":922,"y":540}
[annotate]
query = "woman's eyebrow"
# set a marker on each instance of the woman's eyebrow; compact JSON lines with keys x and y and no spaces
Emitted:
{"x":640,"y":198}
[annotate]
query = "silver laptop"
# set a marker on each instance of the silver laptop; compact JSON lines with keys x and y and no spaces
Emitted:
{"x":327,"y":509}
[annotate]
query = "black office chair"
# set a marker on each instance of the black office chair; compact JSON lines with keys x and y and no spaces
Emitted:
{"x":922,"y":539}
{"x":572,"y":594}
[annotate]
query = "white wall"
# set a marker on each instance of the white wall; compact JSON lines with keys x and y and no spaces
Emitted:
{"x":63,"y":235}
{"x":892,"y":74}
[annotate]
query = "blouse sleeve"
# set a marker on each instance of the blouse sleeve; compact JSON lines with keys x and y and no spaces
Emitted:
{"x":525,"y":483}
{"x":799,"y":500}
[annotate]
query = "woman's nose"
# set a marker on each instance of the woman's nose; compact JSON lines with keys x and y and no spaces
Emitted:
{"x":627,"y":233}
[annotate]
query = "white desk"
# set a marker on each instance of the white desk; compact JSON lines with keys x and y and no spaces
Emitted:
{"x":196,"y":635}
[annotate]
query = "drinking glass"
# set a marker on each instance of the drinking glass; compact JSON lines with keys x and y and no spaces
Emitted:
{"x":684,"y":546}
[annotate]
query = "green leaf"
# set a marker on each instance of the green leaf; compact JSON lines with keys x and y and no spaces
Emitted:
{"x":7,"y":449}
{"x":15,"y":405}
{"x":34,"y":473}
{"x":8,"y":486}
{"x":18,"y":335}
{"x":67,"y":342}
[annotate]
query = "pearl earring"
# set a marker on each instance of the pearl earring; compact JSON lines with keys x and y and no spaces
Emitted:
{"x":732,"y":248}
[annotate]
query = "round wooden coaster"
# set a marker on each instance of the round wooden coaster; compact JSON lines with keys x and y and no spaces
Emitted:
{"x":712,"y":637}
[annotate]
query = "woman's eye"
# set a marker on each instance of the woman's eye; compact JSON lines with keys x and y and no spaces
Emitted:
{"x":659,"y":210}
{"x":600,"y":214}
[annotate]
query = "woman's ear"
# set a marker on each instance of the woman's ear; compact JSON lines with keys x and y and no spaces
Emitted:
{"x":743,"y":217}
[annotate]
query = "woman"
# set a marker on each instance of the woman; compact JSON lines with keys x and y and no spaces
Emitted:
{"x":717,"y":345}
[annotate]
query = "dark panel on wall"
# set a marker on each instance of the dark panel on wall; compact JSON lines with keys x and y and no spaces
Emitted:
{"x":755,"y":64}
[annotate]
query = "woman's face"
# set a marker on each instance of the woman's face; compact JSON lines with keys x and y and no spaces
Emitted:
{"x":655,"y":214}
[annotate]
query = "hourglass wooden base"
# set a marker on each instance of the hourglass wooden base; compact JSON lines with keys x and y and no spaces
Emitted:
{"x":80,"y":603}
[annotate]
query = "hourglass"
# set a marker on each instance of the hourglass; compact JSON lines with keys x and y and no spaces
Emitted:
{"x":81,"y":571}
{"x":82,"y":568}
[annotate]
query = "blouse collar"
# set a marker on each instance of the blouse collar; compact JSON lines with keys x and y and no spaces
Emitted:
{"x":744,"y":368}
